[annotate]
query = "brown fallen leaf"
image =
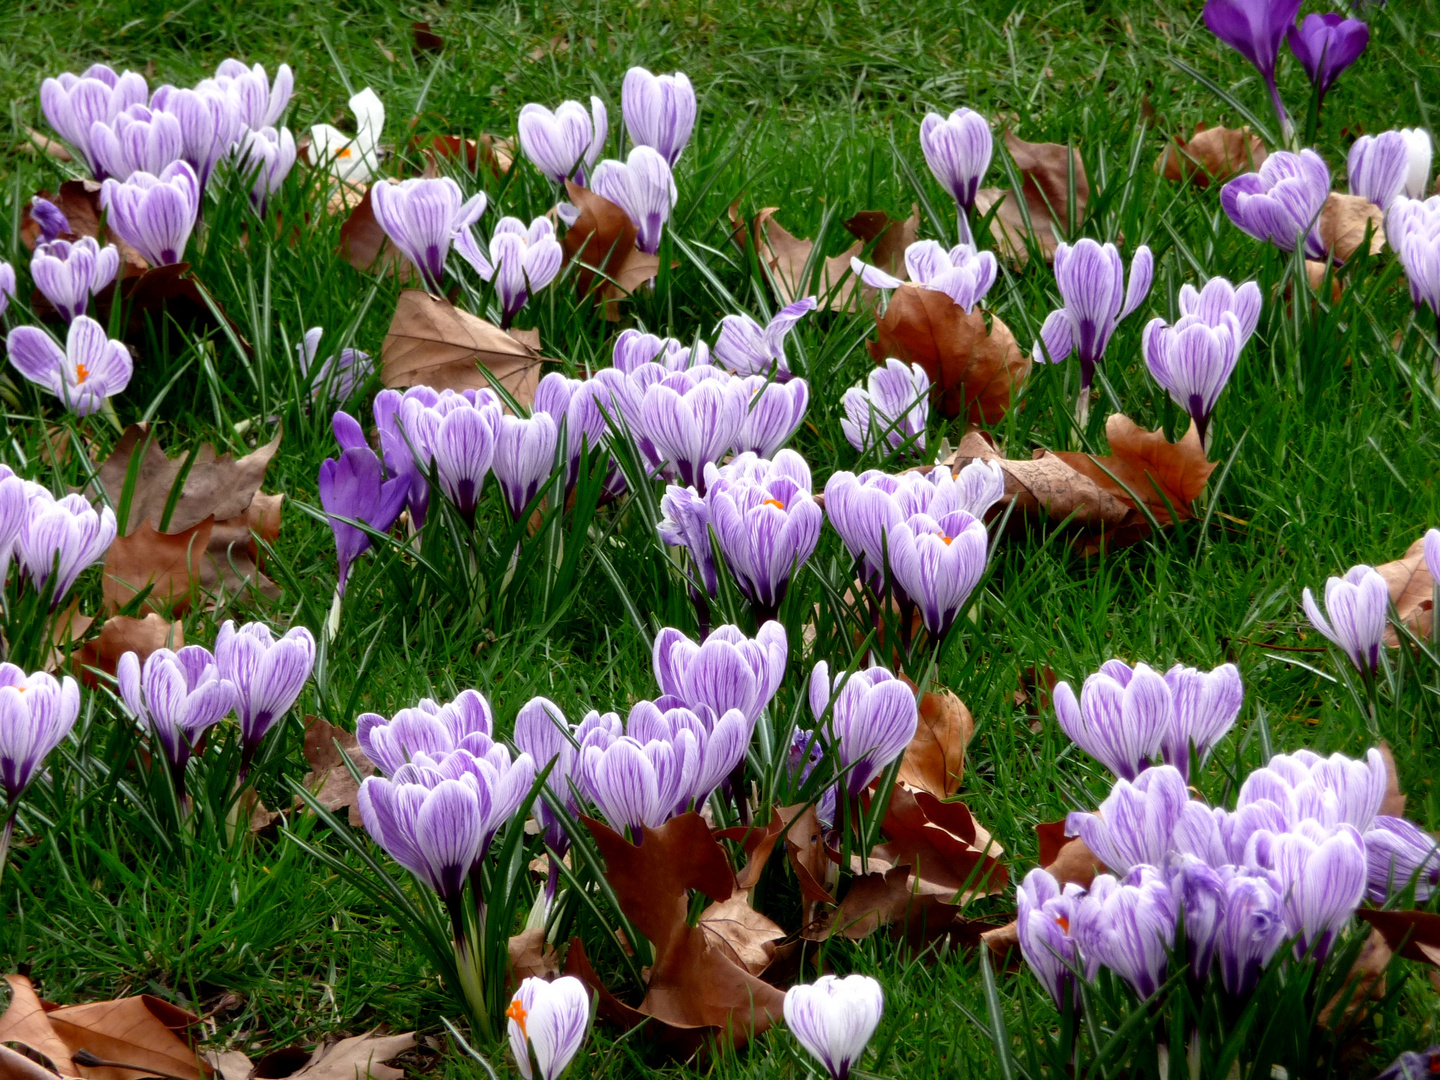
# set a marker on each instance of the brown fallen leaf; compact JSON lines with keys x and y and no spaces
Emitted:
{"x":531,"y":955}
{"x":972,"y":359}
{"x":170,"y":563}
{"x":602,"y":239}
{"x":758,"y":842}
{"x":1412,"y":591}
{"x":805,"y":848}
{"x":1045,"y":182}
{"x":433,"y":343}
{"x":143,"y":1031}
{"x":1393,"y":805}
{"x":786,"y":256}
{"x":357,"y":1057}
{"x":1004,"y":942}
{"x":492,"y":151}
{"x":1364,"y":982}
{"x":79,"y":201}
{"x":16,"y":1066}
{"x":678,"y":1042}
{"x":38,"y":142}
{"x":935,"y":759}
{"x":890,"y":237}
{"x":741,"y":932}
{"x":122,"y":634}
{"x":229,"y":1064}
{"x":426,"y":40}
{"x":1415,"y":935}
{"x":1212,"y":156}
{"x":1067,"y":858}
{"x":941,"y":843}
{"x":1344,"y":222}
{"x":329,"y":778}
{"x":164,"y":294}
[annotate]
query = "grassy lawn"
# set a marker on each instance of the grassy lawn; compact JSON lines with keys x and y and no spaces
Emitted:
{"x":1328,"y":439}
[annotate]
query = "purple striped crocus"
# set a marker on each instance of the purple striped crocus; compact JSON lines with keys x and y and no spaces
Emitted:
{"x":938,"y":563}
{"x":1357,"y":606}
{"x":1281,"y":202}
{"x":154,"y":214}
{"x":575,"y":405}
{"x":137,"y":140}
{"x":685,"y":523}
{"x":1378,"y":167}
{"x":68,"y":273}
{"x":692,"y":418}
{"x":1251,"y":928}
{"x":1128,"y":926}
{"x":422,"y":216}
{"x":14,"y":513}
{"x":962,"y":273}
{"x":175,"y":697}
{"x":728,"y":671}
{"x":548,"y":1019}
{"x":209,"y":125}
{"x":36,"y":713}
{"x":1042,"y":922}
{"x":775,"y":413}
{"x":266,"y":156}
{"x":873,"y":716}
{"x":1091,"y":279}
{"x":1199,"y":890}
{"x":659,"y":111}
{"x":635,"y":348}
{"x":62,"y":537}
{"x":1193,"y":361}
{"x":1331,"y":791}
{"x":643,"y":186}
{"x":52,"y":221}
{"x":74,"y":103}
{"x":834,"y":1019}
{"x":524,"y":458}
{"x":259,"y":102}
{"x":467,"y":723}
{"x":565,"y":143}
{"x":521,"y":261}
{"x":747,"y":348}
{"x":340,"y":373}
{"x":84,"y":374}
{"x":542,"y":732}
{"x":456,"y":433}
{"x":1322,"y":877}
{"x":890,"y":411}
{"x":1413,"y":230}
{"x":268,"y":674}
{"x":1398,"y":853}
{"x":958,"y":150}
{"x":1135,"y":825}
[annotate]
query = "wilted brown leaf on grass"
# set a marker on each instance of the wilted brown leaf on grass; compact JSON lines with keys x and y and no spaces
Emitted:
{"x":1067,"y":858}
{"x":426,"y":40}
{"x":603,"y":239}
{"x":38,"y":142}
{"x":974,"y":365}
{"x":143,"y":1031}
{"x":1412,"y":591}
{"x":1344,"y":221}
{"x":357,"y":1057}
{"x":941,"y":842}
{"x":495,"y":153}
{"x":935,"y":759}
{"x":1415,"y":935}
{"x":1045,"y":188}
{"x":433,"y":343}
{"x":742,"y":933}
{"x":532,"y":956}
{"x":167,"y":562}
{"x":122,"y":634}
{"x":1212,"y":156}
{"x":890,"y":237}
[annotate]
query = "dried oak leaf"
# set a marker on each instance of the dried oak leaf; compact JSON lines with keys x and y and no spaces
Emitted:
{"x":122,"y":634}
{"x":747,"y":937}
{"x":1415,"y":935}
{"x":1067,"y":858}
{"x":142,"y":1031}
{"x":758,"y":842}
{"x":1412,"y":591}
{"x":1212,"y":156}
{"x":805,"y":848}
{"x":1045,"y":189}
{"x":941,"y":843}
{"x":531,"y":955}
{"x":694,"y":983}
{"x":79,"y":201}
{"x":935,"y":759}
{"x":357,"y":1057}
{"x":1344,"y":222}
{"x":364,"y":245}
{"x":329,"y":778}
{"x":433,"y":343}
{"x":602,"y":242}
{"x":787,"y":255}
{"x":972,"y":359}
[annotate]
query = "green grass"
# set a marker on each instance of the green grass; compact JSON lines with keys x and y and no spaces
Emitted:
{"x":811,"y":106}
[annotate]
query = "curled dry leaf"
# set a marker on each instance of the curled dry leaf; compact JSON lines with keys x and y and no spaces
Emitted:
{"x":1067,"y":858}
{"x":741,"y":933}
{"x":426,"y":40}
{"x":531,"y":956}
{"x":433,"y":343}
{"x":357,"y":1057}
{"x":1364,"y":982}
{"x":972,"y":359}
{"x":1045,"y":170}
{"x":1212,"y":156}
{"x":39,"y":142}
{"x":602,"y":242}
{"x":1415,"y":935}
{"x":941,"y":843}
{"x":934,"y":761}
{"x":1345,"y":221}
{"x":758,"y":842}
{"x":1412,"y":591}
{"x":143,"y":1031}
{"x":329,"y":778}
{"x":805,"y":848}
{"x":122,"y":634}
{"x":495,"y":153}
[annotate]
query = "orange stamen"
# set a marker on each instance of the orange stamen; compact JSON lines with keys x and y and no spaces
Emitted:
{"x":344,"y":152}
{"x":947,"y":539}
{"x":775,"y":503}
{"x":1063,"y":923}
{"x":81,"y":373}
{"x":517,"y":1012}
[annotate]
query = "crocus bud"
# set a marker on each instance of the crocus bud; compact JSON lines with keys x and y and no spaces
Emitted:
{"x":1357,"y":605}
{"x":268,"y":673}
{"x":52,"y":220}
{"x":958,"y":151}
{"x":692,"y":421}
{"x":1135,"y":825}
{"x":573,"y":403}
{"x":36,"y":713}
{"x":68,"y":273}
{"x":891,"y":410}
{"x":176,"y":697}
{"x":1193,"y":362}
{"x":1417,"y":172}
{"x":775,"y":413}
{"x":938,"y":564}
{"x":1281,"y":202}
{"x":88,"y":370}
{"x":1091,"y":279}
{"x":686,"y":523}
{"x":644,"y":187}
{"x":1413,"y":229}
{"x":729,"y":671}
{"x":258,"y":102}
{"x":874,"y":718}
{"x":154,"y":214}
{"x":524,"y":458}
{"x":747,"y":348}
{"x":209,"y":125}
{"x":422,"y":216}
{"x":565,"y":143}
{"x":549,"y":1018}
{"x":1326,"y":45}
{"x":659,"y":111}
{"x":834,"y":1018}
{"x":1129,"y":927}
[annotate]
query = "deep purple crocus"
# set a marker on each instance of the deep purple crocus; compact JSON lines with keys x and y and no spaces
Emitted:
{"x":268,"y":673}
{"x":874,"y":717}
{"x":422,"y":216}
{"x":176,"y":697}
{"x":1091,"y":279}
{"x":154,"y":214}
{"x":398,"y":451}
{"x":353,"y":488}
{"x":1281,"y":202}
{"x":1256,"y":29}
{"x":747,"y":348}
{"x":52,"y":220}
{"x":68,"y":273}
{"x":1326,"y":45}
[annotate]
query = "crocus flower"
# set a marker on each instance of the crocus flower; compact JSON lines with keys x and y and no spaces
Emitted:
{"x":73,"y":103}
{"x":962,"y":274}
{"x":979,"y":486}
{"x":341,"y":372}
{"x":1256,"y":29}
{"x":68,"y":273}
{"x":1220,"y":298}
{"x":1091,"y":279}
{"x":53,"y":222}
{"x":1398,"y":852}
{"x":209,"y":125}
{"x":1378,"y":167}
{"x":567,"y":142}
{"x":1129,"y":927}
{"x":1193,"y":361}
{"x":154,"y":214}
{"x":259,"y":102}
{"x":891,"y":410}
{"x":524,"y":458}
{"x":421,"y":216}
{"x":549,"y":1018}
{"x":572,"y":403}
{"x":467,"y":723}
{"x":659,"y":111}
{"x":542,"y":732}
{"x":137,"y":140}
{"x":693,"y":420}
{"x":1322,"y":881}
{"x":1251,"y":928}
{"x":834,"y":1018}
{"x":1042,"y":922}
{"x":1207,"y":704}
{"x":644,"y":187}
{"x":635,"y":347}
{"x":352,"y":158}
{"x":766,"y":522}
{"x":1136,"y":823}
{"x":68,"y":530}
{"x":938,"y":563}
{"x":1326,"y":45}
{"x":1122,"y":718}
{"x":685,"y":523}
{"x":1413,"y":229}
{"x":1281,"y":203}
{"x":266,"y":155}
{"x":1330,"y":791}
{"x":775,"y":413}
{"x":88,"y":370}
{"x":720,"y":741}
{"x":353,"y":488}
{"x":874,"y":718}
{"x":1417,"y":142}
{"x":521,"y":260}
{"x":729,"y":671}
{"x":646,"y":779}
{"x":397,"y":449}
{"x":36,"y":713}
{"x":457,"y":433}
{"x":268,"y":673}
{"x":1357,"y":605}
{"x":1199,"y":890}
{"x":747,"y":348}
{"x":14,"y":513}
{"x":176,"y":697}
{"x":958,"y":152}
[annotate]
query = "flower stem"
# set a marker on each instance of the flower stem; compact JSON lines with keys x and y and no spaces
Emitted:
{"x":5,"y":834}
